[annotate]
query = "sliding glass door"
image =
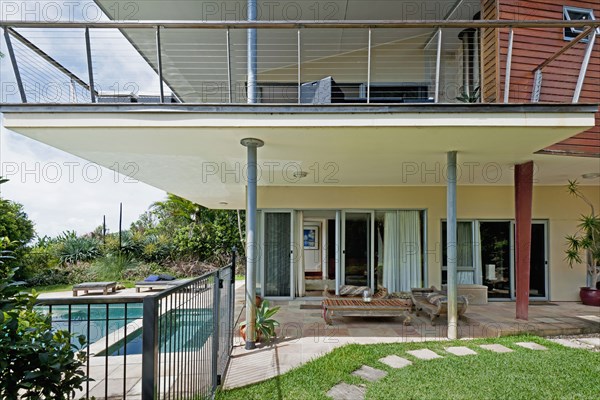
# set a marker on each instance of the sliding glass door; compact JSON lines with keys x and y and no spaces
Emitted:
{"x":358,"y":248}
{"x":277,"y":254}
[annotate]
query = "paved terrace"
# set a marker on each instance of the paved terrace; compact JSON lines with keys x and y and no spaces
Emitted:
{"x":303,"y":335}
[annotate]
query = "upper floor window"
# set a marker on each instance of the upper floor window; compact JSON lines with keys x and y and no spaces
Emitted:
{"x":576,"y":14}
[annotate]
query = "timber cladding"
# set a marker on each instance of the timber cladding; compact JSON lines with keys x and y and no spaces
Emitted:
{"x":531,"y":47}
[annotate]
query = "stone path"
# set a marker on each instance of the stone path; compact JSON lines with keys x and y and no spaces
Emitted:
{"x":590,"y":343}
{"x":345,"y":391}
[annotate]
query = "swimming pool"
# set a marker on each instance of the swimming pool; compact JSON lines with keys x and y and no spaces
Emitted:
{"x":181,"y":330}
{"x":94,"y":321}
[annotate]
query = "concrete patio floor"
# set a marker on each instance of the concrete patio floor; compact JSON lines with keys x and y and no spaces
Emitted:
{"x":303,"y":335}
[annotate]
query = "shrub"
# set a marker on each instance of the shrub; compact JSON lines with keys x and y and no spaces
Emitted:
{"x":35,"y":361}
{"x":112,"y":267}
{"x":73,"y":249}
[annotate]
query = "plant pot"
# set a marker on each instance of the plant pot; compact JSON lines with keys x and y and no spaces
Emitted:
{"x":243,"y":334}
{"x":589,"y":296}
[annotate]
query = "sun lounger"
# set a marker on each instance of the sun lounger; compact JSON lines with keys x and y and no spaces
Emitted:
{"x":434,"y":303}
{"x":87,"y":286}
{"x":162,"y":285}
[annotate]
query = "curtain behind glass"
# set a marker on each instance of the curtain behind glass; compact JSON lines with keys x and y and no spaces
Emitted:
{"x":464,"y":256}
{"x":277,"y":254}
{"x":402,"y":251}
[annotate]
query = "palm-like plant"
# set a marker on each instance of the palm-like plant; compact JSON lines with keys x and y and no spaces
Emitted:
{"x":264,"y":323}
{"x":587,"y":238}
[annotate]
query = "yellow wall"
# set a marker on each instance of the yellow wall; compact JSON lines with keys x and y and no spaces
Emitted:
{"x":551,"y":203}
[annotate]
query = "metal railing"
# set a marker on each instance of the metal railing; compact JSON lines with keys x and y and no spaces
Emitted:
{"x":205,"y":62}
{"x":173,"y":344}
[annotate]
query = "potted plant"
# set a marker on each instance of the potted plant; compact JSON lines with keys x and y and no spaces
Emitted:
{"x":264,"y":323}
{"x":586,"y":241}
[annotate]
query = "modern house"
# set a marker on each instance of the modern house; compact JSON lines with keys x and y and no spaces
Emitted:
{"x":364,"y":111}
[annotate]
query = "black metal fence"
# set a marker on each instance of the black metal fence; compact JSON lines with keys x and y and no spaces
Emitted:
{"x":173,"y":344}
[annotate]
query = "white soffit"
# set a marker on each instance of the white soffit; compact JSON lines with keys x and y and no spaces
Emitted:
{"x":199,"y":156}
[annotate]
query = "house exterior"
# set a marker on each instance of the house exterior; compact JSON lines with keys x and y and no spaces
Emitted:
{"x":359,"y":119}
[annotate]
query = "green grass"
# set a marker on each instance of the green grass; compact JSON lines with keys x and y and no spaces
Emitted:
{"x":240,"y":277}
{"x":69,"y":287}
{"x":559,"y":373}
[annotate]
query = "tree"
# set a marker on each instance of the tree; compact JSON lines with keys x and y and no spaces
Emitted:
{"x":16,"y":231}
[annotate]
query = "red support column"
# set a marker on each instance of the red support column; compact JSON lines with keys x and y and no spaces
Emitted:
{"x":523,"y":200}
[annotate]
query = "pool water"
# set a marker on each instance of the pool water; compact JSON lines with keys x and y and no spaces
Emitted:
{"x":180,"y":330}
{"x":97,"y":322}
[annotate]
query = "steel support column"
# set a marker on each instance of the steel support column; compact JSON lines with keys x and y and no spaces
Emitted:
{"x":451,"y":235}
{"x":252,"y":55}
{"x":523,"y":201}
{"x":251,"y":242}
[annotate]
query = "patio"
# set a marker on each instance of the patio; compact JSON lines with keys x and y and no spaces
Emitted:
{"x":303,"y":334}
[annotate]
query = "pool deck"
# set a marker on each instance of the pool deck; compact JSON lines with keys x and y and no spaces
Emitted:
{"x":303,"y":335}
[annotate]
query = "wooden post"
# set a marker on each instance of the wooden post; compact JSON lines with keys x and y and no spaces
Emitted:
{"x":523,"y":201}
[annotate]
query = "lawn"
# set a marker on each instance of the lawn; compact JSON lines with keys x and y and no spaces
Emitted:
{"x":558,"y":373}
{"x":69,"y":287}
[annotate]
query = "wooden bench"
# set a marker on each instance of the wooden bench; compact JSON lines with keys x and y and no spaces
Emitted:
{"x":359,"y":308}
{"x":162,"y":285}
{"x":87,"y":286}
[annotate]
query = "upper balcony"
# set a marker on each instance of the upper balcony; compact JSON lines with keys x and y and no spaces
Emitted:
{"x":345,"y":61}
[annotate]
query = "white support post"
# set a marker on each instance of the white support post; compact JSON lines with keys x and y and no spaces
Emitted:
{"x":508,"y":66}
{"x":438,"y":66}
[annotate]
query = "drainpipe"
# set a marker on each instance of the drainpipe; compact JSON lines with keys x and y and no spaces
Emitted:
{"x":451,"y":246}
{"x":251,"y":235}
{"x":252,"y":54}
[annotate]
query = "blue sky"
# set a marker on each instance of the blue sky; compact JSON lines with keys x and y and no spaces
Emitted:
{"x":58,"y":190}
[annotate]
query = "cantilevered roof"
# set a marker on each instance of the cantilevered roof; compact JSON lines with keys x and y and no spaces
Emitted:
{"x":194,"y":150}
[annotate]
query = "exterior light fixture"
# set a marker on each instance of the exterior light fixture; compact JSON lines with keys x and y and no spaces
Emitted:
{"x":300,"y":174}
{"x":591,"y":175}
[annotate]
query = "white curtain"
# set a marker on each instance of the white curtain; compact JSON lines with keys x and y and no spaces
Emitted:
{"x":402,"y":250}
{"x":464,"y":256}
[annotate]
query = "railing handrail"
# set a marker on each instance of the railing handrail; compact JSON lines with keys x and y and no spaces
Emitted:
{"x":199,"y":24}
{"x":191,"y":282}
{"x":128,"y":299}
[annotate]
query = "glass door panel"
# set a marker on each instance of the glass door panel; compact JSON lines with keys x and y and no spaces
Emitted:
{"x":277,"y":254}
{"x":496,"y":258}
{"x":357,"y":248}
{"x":537,"y":273}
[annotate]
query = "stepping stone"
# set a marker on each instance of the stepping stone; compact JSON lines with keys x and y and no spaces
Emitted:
{"x":369,"y":373}
{"x":395,"y":362}
{"x":424,"y":354}
{"x":531,"y":345}
{"x":591,"y":341}
{"x":460,"y":351}
{"x":574,"y":344}
{"x":344,"y":391}
{"x":498,"y":348}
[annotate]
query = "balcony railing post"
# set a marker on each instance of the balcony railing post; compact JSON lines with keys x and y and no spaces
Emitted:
{"x":229,"y":88}
{"x":369,"y":68}
{"x":15,"y":65}
{"x":438,"y":65}
{"x":88,"y":51}
{"x":508,"y":66}
{"x":159,"y":65}
{"x":215,"y":336}
{"x":299,"y":87}
{"x":150,"y":348}
{"x":584,"y":65}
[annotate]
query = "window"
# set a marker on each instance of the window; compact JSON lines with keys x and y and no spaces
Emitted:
{"x":576,"y":14}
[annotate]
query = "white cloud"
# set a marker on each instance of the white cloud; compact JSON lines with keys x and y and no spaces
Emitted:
{"x":58,"y":196}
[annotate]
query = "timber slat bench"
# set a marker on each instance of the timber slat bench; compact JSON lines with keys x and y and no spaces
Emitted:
{"x":359,"y":308}
{"x":87,"y":286}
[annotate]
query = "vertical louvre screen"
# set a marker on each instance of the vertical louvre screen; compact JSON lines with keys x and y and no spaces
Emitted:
{"x":277,"y":254}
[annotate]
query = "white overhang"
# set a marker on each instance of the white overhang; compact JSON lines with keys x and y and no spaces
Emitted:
{"x":195,"y":152}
